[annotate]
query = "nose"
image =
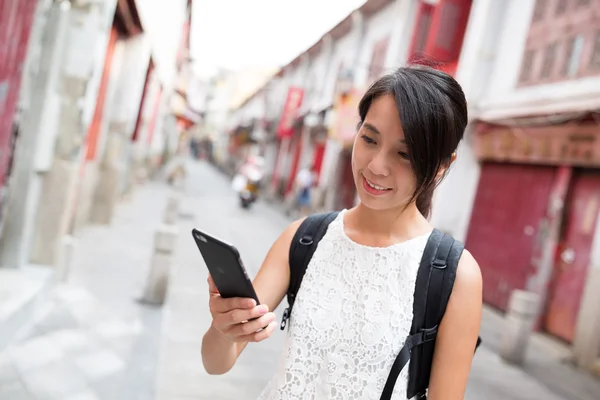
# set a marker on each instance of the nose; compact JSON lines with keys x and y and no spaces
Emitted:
{"x":378,"y":165}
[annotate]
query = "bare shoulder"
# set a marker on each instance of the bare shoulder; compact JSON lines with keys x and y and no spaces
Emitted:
{"x":468,"y":274}
{"x":465,"y":304}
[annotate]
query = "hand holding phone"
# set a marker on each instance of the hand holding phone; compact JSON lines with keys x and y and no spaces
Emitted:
{"x":240,"y":319}
{"x":234,"y":304}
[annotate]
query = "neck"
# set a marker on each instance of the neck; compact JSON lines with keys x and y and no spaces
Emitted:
{"x":404,"y":222}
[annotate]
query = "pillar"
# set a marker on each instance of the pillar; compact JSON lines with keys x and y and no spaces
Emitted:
{"x":61,"y":159}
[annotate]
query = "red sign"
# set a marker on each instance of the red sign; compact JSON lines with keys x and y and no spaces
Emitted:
{"x":570,"y":144}
{"x":346,"y":117}
{"x":290,"y":111}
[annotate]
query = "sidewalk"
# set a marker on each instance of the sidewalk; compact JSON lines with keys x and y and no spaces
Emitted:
{"x":93,"y":340}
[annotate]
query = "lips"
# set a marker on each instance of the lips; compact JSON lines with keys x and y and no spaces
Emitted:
{"x":373,"y":188}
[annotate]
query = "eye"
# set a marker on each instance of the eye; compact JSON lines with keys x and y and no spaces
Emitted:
{"x":403,"y":154}
{"x":368,"y":139}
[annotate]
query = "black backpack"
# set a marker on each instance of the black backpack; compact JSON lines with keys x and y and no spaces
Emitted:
{"x":435,"y":280}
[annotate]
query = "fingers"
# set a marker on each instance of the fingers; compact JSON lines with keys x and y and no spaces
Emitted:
{"x":238,"y":316}
{"x":252,"y":326}
{"x":260,"y":335}
{"x":221,"y":306}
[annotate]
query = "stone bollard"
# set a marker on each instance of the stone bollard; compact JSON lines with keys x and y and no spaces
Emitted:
{"x":172,"y":210}
{"x":158,"y":277}
{"x":520,"y":322}
{"x":65,"y":257}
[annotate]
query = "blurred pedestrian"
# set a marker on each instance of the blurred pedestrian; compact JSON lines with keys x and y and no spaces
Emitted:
{"x":304,"y":182}
{"x":354,"y":308}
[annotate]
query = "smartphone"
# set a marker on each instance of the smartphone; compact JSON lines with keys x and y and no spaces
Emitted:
{"x":225,"y":266}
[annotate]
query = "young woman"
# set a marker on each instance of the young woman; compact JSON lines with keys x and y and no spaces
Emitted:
{"x":354,"y":307}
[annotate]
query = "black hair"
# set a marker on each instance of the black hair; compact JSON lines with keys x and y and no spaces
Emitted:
{"x":433,"y":112}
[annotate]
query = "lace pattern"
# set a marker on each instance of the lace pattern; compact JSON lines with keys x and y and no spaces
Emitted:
{"x":351,"y":317}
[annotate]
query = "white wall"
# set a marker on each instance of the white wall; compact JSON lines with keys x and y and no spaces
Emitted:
{"x":315,"y":83}
{"x":163,"y":25}
{"x":378,"y":27}
{"x":344,"y":50}
{"x":130,"y":86}
{"x":83,"y":60}
{"x":404,"y":20}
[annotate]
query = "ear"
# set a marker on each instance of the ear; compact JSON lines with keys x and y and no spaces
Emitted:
{"x":445,"y":168}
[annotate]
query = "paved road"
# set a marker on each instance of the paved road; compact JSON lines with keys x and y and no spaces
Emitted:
{"x":95,"y":342}
{"x":181,"y":376}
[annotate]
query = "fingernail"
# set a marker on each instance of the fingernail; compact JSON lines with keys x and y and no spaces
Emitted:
{"x":252,"y":303}
{"x":263,"y":309}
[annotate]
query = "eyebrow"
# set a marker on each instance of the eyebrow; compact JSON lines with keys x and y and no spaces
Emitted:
{"x":373,"y":129}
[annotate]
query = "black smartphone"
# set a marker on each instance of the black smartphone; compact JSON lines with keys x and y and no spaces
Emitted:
{"x":225,"y":266}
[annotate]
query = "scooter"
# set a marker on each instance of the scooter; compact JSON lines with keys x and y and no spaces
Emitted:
{"x":249,"y":194}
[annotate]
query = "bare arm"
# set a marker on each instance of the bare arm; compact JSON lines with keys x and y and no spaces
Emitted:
{"x":458,"y":333}
{"x":228,"y":335}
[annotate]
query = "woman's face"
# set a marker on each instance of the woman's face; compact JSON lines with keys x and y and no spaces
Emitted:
{"x":382,"y":171}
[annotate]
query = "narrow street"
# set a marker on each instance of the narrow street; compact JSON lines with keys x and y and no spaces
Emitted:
{"x":93,"y":340}
{"x":181,"y":375}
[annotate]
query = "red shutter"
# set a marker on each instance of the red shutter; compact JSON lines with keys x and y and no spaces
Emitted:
{"x":447,"y":30}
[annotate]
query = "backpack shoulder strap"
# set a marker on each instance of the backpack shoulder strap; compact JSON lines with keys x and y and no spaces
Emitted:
{"x":302,"y":248}
{"x":435,"y":279}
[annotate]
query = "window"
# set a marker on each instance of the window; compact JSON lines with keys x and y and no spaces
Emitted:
{"x":594,"y":64}
{"x":527,"y":66}
{"x":568,"y":49}
{"x":378,"y":59}
{"x":422,"y":30}
{"x":549,"y":60}
{"x":573,"y":49}
{"x":448,"y":26}
{"x":561,"y":7}
{"x":539,"y":12}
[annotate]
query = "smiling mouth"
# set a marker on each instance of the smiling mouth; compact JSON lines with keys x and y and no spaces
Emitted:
{"x":376,"y":187}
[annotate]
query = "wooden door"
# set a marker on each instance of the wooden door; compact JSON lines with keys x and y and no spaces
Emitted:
{"x":510,"y":203}
{"x":573,"y":255}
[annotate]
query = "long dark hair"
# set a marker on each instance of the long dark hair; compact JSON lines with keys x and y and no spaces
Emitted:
{"x":433,"y":112}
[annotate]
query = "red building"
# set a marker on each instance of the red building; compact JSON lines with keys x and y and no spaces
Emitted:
{"x":534,"y":216}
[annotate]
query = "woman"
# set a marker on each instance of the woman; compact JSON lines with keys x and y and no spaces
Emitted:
{"x":356,"y":298}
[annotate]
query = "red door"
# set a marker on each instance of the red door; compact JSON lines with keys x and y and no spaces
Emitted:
{"x":511,"y":202}
{"x":573,"y":255}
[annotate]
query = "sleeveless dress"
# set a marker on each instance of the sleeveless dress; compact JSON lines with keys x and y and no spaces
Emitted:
{"x":351,"y":317}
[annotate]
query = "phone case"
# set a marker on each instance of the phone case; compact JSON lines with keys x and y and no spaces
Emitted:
{"x":225,"y":266}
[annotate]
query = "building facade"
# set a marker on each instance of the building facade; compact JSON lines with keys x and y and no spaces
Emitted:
{"x":90,"y":103}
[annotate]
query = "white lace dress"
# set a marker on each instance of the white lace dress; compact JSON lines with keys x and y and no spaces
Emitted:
{"x":351,"y":317}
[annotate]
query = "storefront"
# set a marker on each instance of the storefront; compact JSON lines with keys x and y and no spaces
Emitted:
{"x":535,"y":213}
